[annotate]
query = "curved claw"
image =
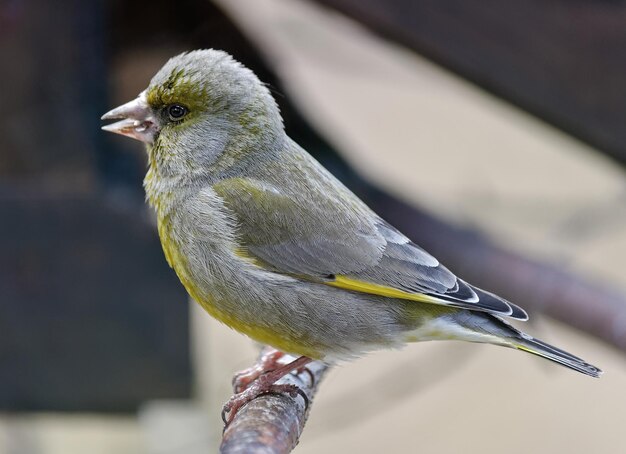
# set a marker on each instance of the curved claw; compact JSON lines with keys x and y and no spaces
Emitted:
{"x":292,"y":390}
{"x":304,"y":397}
{"x":308,"y":371}
{"x":225,"y":411}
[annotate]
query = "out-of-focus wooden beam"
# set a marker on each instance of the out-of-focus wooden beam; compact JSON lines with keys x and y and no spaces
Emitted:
{"x":561,"y":60}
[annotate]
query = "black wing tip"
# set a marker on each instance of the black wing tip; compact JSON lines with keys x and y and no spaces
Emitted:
{"x":499,"y":305}
{"x":518,"y":313}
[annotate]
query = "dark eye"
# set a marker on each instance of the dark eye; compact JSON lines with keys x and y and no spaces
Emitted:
{"x":176,"y":112}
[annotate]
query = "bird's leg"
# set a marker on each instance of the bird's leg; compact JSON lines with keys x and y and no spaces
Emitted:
{"x":265,"y":383}
{"x":269,"y":361}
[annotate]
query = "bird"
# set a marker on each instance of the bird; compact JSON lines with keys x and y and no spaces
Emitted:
{"x":271,"y":244}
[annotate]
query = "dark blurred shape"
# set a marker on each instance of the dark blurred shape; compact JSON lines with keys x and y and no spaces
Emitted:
{"x":91,"y":317}
{"x":562,"y":60}
{"x":49,"y":79}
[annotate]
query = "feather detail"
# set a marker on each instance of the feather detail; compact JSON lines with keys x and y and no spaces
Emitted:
{"x":539,"y":348}
{"x":494,"y":305}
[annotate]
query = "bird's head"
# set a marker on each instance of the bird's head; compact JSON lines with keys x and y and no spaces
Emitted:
{"x":201,"y":106}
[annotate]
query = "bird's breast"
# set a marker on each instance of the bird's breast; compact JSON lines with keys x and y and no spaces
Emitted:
{"x":198,"y":237}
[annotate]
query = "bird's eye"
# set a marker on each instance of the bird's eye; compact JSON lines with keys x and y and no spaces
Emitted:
{"x":176,"y":112}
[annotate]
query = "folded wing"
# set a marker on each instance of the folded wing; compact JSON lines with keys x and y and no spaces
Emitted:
{"x":333,"y":238}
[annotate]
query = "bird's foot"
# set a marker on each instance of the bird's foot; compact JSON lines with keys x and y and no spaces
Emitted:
{"x":267,"y":363}
{"x":264,"y":383}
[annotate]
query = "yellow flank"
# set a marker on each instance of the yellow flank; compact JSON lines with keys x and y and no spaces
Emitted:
{"x":261,"y":334}
{"x":356,"y":285}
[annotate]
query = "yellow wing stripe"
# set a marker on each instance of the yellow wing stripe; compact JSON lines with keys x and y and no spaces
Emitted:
{"x":356,"y":285}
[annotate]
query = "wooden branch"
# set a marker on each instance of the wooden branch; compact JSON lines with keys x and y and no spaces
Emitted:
{"x":273,"y":423}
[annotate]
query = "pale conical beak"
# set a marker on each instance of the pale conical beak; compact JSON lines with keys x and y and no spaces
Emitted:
{"x":138,"y":120}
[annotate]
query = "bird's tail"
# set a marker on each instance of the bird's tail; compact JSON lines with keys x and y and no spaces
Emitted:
{"x":540,"y":348}
{"x":483,"y":327}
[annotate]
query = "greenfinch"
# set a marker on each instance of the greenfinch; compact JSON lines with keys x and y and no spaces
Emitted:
{"x":268,"y":242}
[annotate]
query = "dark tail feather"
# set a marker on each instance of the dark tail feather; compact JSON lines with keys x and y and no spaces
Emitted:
{"x":539,"y":348}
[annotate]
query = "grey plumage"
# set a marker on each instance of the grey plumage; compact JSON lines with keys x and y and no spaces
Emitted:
{"x":270,"y":243}
{"x":302,"y":221}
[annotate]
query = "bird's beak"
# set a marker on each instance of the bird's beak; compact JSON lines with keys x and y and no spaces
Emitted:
{"x":138,"y":120}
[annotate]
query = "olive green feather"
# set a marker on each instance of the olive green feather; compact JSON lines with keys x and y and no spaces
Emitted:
{"x":273,"y":245}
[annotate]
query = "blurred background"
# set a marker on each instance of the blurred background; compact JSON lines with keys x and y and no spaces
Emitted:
{"x":490,"y":132}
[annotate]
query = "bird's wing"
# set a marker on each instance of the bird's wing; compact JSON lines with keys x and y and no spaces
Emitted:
{"x":341,"y":243}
